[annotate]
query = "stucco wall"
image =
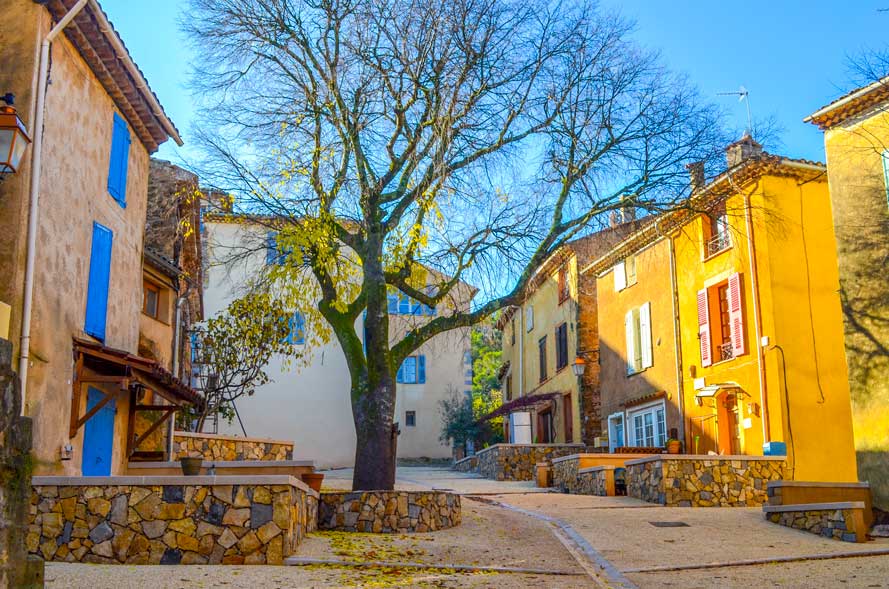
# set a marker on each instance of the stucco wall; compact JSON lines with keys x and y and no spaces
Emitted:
{"x":156,"y":333}
{"x":73,"y":186}
{"x":309,"y":402}
{"x":861,"y":224}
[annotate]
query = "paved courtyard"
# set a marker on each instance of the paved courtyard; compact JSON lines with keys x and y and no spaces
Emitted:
{"x":551,"y":540}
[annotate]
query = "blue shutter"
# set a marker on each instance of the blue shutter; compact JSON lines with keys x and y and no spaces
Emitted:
{"x":392,"y":300}
{"x":97,"y":289}
{"x":271,"y":247}
{"x":299,"y":329}
{"x":421,"y":370}
{"x":404,"y":305}
{"x":117,"y":167}
{"x":399,"y":377}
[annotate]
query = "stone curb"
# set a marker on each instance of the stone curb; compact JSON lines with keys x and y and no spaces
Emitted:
{"x":813,"y":506}
{"x":759,"y":561}
{"x":298,"y":561}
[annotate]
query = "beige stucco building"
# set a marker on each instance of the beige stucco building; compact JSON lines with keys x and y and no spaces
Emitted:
{"x":101,"y":122}
{"x":307,"y":401}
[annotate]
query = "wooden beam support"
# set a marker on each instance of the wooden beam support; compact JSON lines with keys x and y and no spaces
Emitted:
{"x":76,"y":392}
{"x":94,"y":410}
{"x":163,"y":418}
{"x":131,"y":423}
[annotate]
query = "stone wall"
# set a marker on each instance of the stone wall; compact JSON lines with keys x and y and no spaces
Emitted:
{"x":565,"y":475}
{"x":216,"y":447}
{"x":389,"y":511}
{"x":703,"y":481}
{"x":518,"y":462}
{"x":468,"y":464}
{"x":169,"y":520}
{"x":840,"y":521}
{"x":594,"y":481}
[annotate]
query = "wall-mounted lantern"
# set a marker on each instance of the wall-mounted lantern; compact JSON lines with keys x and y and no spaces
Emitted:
{"x":579,"y":366}
{"x":13,"y":137}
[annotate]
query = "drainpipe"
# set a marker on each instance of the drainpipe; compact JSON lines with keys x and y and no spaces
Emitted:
{"x":677,"y":348}
{"x":34,"y":192}
{"x":757,"y":318}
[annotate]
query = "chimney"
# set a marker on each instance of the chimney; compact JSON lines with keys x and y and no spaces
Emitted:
{"x":696,"y":173}
{"x":741,"y":150}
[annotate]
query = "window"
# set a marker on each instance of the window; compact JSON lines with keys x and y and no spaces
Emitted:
{"x":117,"y":167}
{"x":638,"y":332}
{"x":561,"y":346}
{"x":648,"y":426}
{"x":721,"y":337}
{"x":274,"y":256}
{"x":297,"y":333}
{"x":716,"y":231}
{"x":541,"y":350}
{"x":564,"y":289}
{"x":568,"y":418}
{"x":410,"y":418}
{"x":99,"y":277}
{"x":151,"y":295}
{"x":412,"y":371}
{"x":529,"y":319}
{"x":625,"y":273}
{"x":401,"y":304}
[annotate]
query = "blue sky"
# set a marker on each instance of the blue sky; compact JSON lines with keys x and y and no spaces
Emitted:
{"x":790,"y":55}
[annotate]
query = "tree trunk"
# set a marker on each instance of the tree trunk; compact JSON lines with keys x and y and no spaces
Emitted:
{"x":375,"y":450}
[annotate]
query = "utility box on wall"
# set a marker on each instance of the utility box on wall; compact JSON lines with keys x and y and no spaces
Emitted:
{"x":520,"y":427}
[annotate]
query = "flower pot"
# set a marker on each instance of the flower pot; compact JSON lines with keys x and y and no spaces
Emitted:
{"x":673,"y":447}
{"x":313,"y":480}
{"x":191,"y":466}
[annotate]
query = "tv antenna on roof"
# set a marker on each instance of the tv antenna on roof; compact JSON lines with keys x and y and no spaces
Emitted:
{"x":743,"y":96}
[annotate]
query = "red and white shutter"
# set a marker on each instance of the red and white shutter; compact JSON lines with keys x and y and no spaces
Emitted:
{"x":736,"y":315}
{"x":704,"y":329}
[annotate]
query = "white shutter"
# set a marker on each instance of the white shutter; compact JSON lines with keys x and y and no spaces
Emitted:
{"x":704,"y":328}
{"x":631,"y":342}
{"x":736,"y":315}
{"x":620,"y":277}
{"x":529,"y":319}
{"x":645,"y":331}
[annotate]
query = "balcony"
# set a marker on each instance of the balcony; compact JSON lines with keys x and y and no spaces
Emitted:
{"x":718,"y":243}
{"x":725,"y":352}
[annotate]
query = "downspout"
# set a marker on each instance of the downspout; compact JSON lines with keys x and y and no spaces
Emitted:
{"x":677,"y":348}
{"x":757,"y":318}
{"x":34,"y":192}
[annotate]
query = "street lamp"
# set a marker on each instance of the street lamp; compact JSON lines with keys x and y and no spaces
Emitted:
{"x":13,"y":137}
{"x":579,"y":366}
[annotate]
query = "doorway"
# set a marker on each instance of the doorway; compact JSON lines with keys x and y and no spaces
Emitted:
{"x":545,"y":427}
{"x":98,"y":436}
{"x":729,"y":418}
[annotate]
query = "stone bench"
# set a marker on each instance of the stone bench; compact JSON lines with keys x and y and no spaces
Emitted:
{"x":801,"y":492}
{"x":294,"y":468}
{"x":388,"y":511}
{"x":567,"y":468}
{"x":842,"y":520}
{"x":170,"y":519}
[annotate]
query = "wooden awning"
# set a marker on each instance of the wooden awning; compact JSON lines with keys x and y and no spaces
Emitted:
{"x":520,"y":403}
{"x":98,"y":364}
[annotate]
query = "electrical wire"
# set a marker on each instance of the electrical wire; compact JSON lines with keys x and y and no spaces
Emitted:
{"x":787,"y":402}
{"x":802,"y":231}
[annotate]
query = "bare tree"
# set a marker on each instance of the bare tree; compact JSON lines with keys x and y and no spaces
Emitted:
{"x":470,"y":137}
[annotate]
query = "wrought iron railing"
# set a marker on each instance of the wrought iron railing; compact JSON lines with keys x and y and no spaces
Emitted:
{"x":726,"y":352}
{"x":718,"y":243}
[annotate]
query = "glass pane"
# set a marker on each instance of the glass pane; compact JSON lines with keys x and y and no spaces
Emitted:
{"x":661,"y":428}
{"x":410,"y":369}
{"x":640,"y":430}
{"x":649,"y":429}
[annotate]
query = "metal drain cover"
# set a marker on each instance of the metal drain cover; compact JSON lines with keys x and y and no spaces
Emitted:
{"x":669,"y":524}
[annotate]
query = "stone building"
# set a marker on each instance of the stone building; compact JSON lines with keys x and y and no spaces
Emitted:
{"x":556,"y":324}
{"x":75,"y":326}
{"x":856,"y":141}
{"x":308,"y":400}
{"x":728,"y":329}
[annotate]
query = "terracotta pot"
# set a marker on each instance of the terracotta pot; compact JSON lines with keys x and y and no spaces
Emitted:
{"x":191,"y":466}
{"x":313,"y":480}
{"x":673,"y":447}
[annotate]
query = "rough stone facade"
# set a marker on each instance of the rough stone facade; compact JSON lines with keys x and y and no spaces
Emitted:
{"x":215,"y":447}
{"x":468,"y":464}
{"x":389,"y":511}
{"x":838,"y":524}
{"x":15,"y":480}
{"x":565,"y":475}
{"x":198,"y":523}
{"x":703,"y":481}
{"x":593,"y":482}
{"x":518,"y":462}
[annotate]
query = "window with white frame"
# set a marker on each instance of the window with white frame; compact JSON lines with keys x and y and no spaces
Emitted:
{"x":638,"y":331}
{"x":648,"y":426}
{"x":625,"y":273}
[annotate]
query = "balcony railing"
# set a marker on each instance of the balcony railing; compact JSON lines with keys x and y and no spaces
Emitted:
{"x":725,"y":352}
{"x":718,"y":243}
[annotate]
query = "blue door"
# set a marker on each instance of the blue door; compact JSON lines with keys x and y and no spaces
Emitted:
{"x":98,"y":437}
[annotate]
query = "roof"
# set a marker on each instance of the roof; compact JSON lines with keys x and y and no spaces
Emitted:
{"x":519,"y":403}
{"x":851,"y":104}
{"x":111,"y":361}
{"x":156,"y":260}
{"x":101,"y":47}
{"x":721,"y":187}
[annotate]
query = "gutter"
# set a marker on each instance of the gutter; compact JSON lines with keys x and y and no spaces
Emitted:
{"x":34,"y":191}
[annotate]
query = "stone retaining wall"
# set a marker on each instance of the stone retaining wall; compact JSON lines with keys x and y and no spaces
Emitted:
{"x":389,"y":511}
{"x":595,"y":481}
{"x":518,"y":462}
{"x":703,"y":481}
{"x":565,"y":475}
{"x":216,"y":447}
{"x":840,"y":521}
{"x":468,"y":464}
{"x":170,"y":520}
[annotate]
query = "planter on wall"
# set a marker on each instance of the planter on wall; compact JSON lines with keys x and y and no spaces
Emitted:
{"x":313,"y":480}
{"x":191,"y":466}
